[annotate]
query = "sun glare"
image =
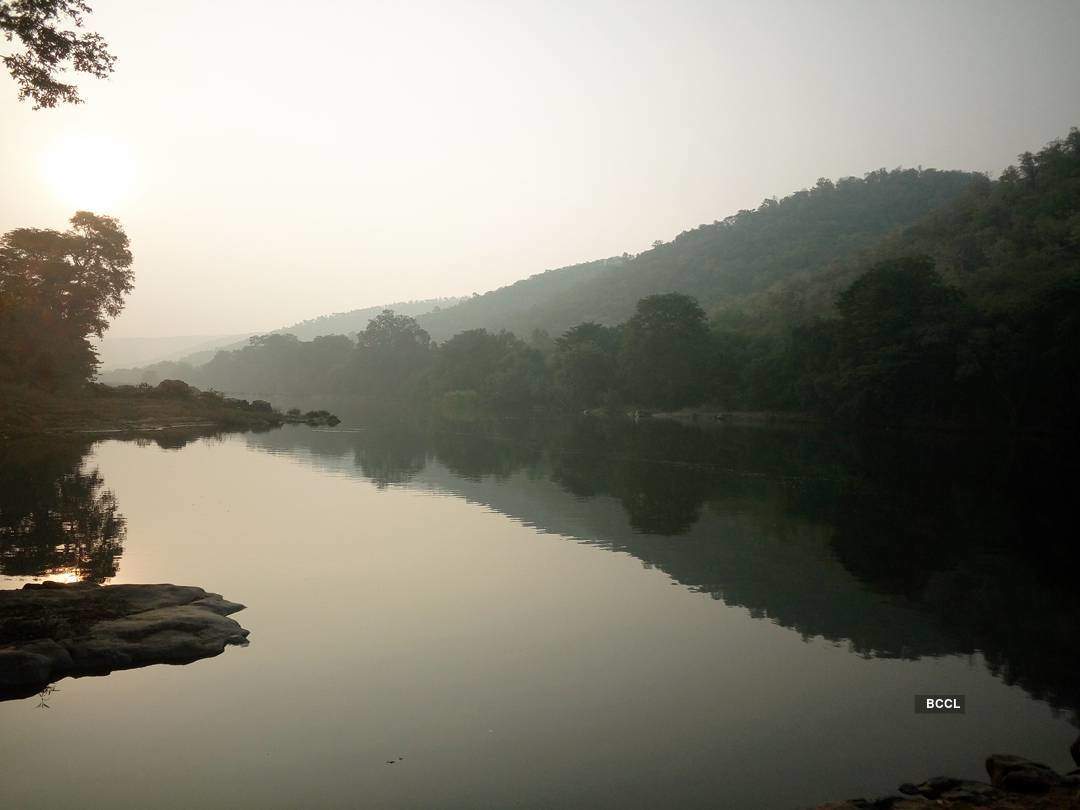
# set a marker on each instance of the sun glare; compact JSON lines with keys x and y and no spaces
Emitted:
{"x":89,"y":172}
{"x":67,"y":577}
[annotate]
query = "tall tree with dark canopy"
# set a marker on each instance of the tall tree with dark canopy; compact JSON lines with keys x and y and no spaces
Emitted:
{"x":49,"y":48}
{"x":56,"y":290}
{"x":498,"y":368}
{"x":899,"y":329}
{"x":585,"y":362}
{"x":390,"y":355}
{"x":665,"y":352}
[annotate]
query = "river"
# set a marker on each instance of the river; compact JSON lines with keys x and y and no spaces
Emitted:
{"x":552,"y":614}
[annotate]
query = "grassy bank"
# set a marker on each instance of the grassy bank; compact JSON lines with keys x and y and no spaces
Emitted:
{"x":26,"y":411}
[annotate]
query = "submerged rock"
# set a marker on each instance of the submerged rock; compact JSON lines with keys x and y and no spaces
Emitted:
{"x":1020,"y":775}
{"x":936,"y":785}
{"x":1018,"y":784}
{"x":53,"y":630}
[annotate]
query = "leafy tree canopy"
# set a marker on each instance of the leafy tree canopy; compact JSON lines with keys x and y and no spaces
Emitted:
{"x":56,"y":290}
{"x":665,"y":351}
{"x":48,"y":33}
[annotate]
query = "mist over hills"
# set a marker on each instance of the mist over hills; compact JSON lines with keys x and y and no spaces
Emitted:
{"x":905,"y":297}
{"x":347,"y":323}
{"x":339,"y":323}
{"x":123,"y":352}
{"x":725,"y":264}
{"x":718,"y":263}
{"x":120,"y":355}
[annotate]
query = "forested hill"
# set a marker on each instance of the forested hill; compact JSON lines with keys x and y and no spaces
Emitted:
{"x":523,"y":306}
{"x":1005,"y":243}
{"x":743,"y":254}
{"x":968,"y":315}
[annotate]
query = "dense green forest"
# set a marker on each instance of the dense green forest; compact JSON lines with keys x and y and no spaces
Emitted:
{"x":969,"y":314}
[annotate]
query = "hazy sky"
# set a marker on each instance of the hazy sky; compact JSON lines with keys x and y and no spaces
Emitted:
{"x":275,"y":161}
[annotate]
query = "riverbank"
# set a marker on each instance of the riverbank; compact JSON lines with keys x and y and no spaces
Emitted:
{"x":1015,"y":784}
{"x":95,"y":408}
{"x":800,"y":419}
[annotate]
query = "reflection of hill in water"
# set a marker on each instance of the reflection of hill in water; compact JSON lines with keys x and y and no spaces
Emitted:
{"x":742,"y":553}
{"x":902,"y":547}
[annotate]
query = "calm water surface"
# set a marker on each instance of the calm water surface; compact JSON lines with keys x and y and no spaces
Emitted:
{"x":580,"y":615}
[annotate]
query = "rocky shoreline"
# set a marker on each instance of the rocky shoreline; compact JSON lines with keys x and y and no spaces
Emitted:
{"x":54,"y":630}
{"x":1015,"y":783}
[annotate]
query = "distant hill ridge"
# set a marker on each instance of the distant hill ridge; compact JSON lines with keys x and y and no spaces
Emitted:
{"x":346,"y":323}
{"x":717,"y":263}
{"x":151,"y":362}
{"x":339,"y":323}
{"x":124,"y":352}
{"x":725,"y":264}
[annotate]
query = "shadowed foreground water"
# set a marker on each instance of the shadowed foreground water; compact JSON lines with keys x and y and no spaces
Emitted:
{"x":527,"y":615}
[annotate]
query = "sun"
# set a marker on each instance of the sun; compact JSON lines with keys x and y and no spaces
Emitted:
{"x":89,"y":172}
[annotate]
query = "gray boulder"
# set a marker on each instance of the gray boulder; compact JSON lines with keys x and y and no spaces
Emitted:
{"x":53,"y":630}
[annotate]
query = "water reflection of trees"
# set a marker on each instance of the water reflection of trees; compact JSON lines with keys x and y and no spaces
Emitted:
{"x":391,"y":456}
{"x":658,"y":498}
{"x":899,"y":545}
{"x":56,"y":516}
{"x":976,"y":534}
{"x":477,"y":456}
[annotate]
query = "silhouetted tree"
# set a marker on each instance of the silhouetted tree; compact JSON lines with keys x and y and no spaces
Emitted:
{"x":56,"y":290}
{"x":49,"y":48}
